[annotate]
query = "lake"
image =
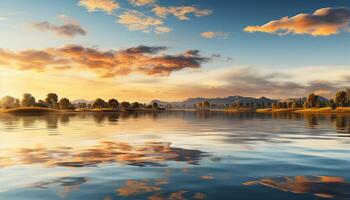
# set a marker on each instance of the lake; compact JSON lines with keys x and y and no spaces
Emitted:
{"x":174,"y":155}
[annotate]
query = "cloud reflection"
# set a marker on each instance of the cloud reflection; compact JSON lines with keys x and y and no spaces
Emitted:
{"x":321,"y":186}
{"x":148,"y":154}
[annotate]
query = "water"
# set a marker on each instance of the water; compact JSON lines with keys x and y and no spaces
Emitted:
{"x":174,"y":155}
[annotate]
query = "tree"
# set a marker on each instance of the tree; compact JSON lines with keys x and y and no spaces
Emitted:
{"x":340,"y":98}
{"x":312,"y":100}
{"x":41,"y":104}
{"x":64,"y":103}
{"x":306,"y":104}
{"x":125,"y":104}
{"x":28,"y":100}
{"x":113,"y":103}
{"x":135,"y":105}
{"x":51,"y":100}
{"x":274,"y":105}
{"x":155,"y":105}
{"x":294,"y":104}
{"x":99,"y":103}
{"x":332,"y":104}
{"x":348,"y":97}
{"x":206,"y":104}
{"x":9,"y":102}
{"x":199,"y":105}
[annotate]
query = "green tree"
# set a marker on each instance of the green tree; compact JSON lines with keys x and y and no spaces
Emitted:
{"x":340,"y":98}
{"x":113,"y":103}
{"x":28,"y":100}
{"x":64,"y":103}
{"x":52,"y":100}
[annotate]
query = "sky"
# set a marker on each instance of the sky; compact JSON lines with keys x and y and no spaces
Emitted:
{"x":140,"y":50}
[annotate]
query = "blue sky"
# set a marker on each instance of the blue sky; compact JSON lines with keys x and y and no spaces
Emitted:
{"x":239,"y":50}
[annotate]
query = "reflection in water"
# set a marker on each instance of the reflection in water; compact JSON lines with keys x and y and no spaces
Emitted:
{"x":133,"y":187}
{"x":149,"y":154}
{"x":341,"y":122}
{"x":69,"y":184}
{"x":174,"y":156}
{"x":321,"y":186}
{"x":152,"y":190}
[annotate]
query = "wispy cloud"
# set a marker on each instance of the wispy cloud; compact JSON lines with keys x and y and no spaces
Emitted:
{"x":323,"y":22}
{"x":138,"y":21}
{"x":141,"y":2}
{"x":180,"y":12}
{"x":215,"y":34}
{"x":3,"y":18}
{"x":142,"y":59}
{"x":107,"y":6}
{"x":70,"y":28}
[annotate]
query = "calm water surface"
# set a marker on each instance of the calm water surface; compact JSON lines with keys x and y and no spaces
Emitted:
{"x":175,"y":156}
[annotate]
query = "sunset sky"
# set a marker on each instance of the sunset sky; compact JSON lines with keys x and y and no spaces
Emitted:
{"x":139,"y":50}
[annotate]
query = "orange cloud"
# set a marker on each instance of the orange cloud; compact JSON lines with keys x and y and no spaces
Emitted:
{"x":142,"y":59}
{"x":212,"y":34}
{"x":181,"y":12}
{"x":104,"y":5}
{"x":323,"y":22}
{"x":134,"y":20}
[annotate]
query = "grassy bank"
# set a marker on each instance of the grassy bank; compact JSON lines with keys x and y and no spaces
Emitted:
{"x":29,"y":110}
{"x":38,"y":110}
{"x":305,"y":110}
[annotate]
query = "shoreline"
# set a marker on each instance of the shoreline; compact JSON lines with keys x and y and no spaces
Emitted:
{"x":37,"y":110}
{"x":326,"y":110}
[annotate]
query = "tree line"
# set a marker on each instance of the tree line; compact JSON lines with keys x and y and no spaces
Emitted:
{"x":341,"y":99}
{"x":52,"y":101}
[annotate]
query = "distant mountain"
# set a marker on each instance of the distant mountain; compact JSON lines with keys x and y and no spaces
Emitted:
{"x":217,"y":102}
{"x":302,"y":99}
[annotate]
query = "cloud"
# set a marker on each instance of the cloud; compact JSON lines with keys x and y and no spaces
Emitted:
{"x":142,"y":59}
{"x":181,"y":12}
{"x":3,"y":19}
{"x":107,"y":6}
{"x":212,"y":34}
{"x":134,"y":20}
{"x":323,"y":22}
{"x":249,"y":81}
{"x":141,"y":2}
{"x":68,"y":29}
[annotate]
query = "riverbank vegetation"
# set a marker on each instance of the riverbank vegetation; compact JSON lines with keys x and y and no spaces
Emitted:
{"x":52,"y":103}
{"x":311,"y":104}
{"x":314,"y":104}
